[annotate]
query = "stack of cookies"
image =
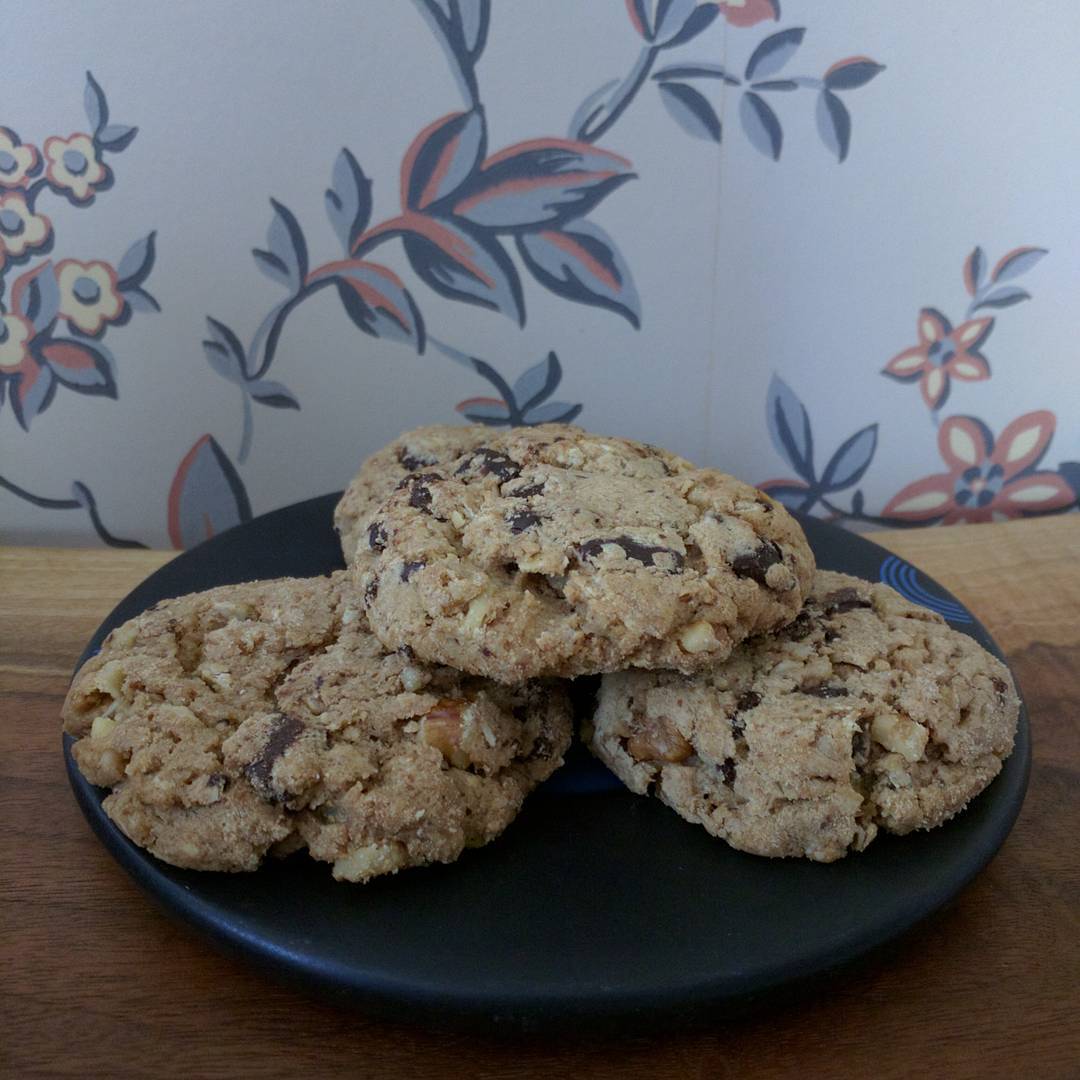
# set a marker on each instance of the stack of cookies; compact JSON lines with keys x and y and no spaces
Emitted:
{"x":401,"y":710}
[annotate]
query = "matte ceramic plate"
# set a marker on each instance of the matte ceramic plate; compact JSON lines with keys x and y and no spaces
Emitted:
{"x":596,"y":905}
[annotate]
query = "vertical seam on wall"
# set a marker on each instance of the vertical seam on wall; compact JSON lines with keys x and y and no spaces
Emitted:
{"x":714,"y":320}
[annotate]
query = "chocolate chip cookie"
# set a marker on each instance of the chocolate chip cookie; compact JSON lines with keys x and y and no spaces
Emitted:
{"x":266,"y":718}
{"x":865,"y":713}
{"x":410,"y":452}
{"x":572,"y":554}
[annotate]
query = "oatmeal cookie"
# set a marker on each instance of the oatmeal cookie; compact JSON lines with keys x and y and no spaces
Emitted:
{"x":266,"y":717}
{"x":866,"y":713}
{"x":571,"y":554}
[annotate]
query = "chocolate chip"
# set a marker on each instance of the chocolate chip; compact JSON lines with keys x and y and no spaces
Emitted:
{"x":412,"y":462}
{"x":998,"y":684}
{"x":823,"y":690}
{"x":419,"y":492}
{"x":542,"y":747}
{"x":751,"y":699}
{"x":527,"y":490}
{"x":376,"y":536}
{"x":756,"y":563}
{"x":642,"y":553}
{"x":846,"y":599}
{"x":860,"y":747}
{"x":410,"y":568}
{"x":407,"y":652}
{"x":520,"y":520}
{"x":217,"y":779}
{"x":830,"y":634}
{"x":728,"y":769}
{"x":319,"y":680}
{"x":259,"y":772}
{"x":371,"y":591}
{"x":487,"y":462}
{"x":544,"y":744}
{"x":801,"y":626}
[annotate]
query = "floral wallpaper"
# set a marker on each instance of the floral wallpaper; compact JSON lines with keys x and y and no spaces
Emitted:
{"x":549,"y":247}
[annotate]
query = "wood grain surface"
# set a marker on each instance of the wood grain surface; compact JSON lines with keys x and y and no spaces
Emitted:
{"x":97,"y":982}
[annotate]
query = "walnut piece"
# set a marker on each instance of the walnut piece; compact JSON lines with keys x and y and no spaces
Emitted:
{"x":657,"y":740}
{"x":442,"y":728}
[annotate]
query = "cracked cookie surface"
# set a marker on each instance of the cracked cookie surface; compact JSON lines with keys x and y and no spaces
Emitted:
{"x":570,"y":554}
{"x":267,"y":718}
{"x":866,"y":713}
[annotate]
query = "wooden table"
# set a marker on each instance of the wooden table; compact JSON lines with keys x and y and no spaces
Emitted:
{"x":99,"y":983}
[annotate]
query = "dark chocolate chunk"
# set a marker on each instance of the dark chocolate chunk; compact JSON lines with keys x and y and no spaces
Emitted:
{"x":846,"y":599}
{"x":728,"y":769}
{"x":407,"y":652}
{"x":412,"y":462}
{"x":642,"y":553}
{"x":371,"y":591}
{"x":830,"y":634}
{"x":419,"y":491}
{"x":487,"y":462}
{"x":998,"y":684}
{"x":751,"y":699}
{"x":756,"y":563}
{"x":527,"y":490}
{"x":410,"y":568}
{"x":738,"y":727}
{"x":285,"y":732}
{"x":801,"y":626}
{"x":217,"y":779}
{"x":823,"y":690}
{"x":520,"y":520}
{"x":376,"y":536}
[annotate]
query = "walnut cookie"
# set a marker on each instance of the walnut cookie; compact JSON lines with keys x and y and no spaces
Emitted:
{"x":573,"y":554}
{"x":866,"y":713}
{"x":266,"y":717}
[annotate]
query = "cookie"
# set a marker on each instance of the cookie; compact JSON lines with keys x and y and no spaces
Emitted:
{"x":383,"y":471}
{"x":866,"y":713}
{"x":266,"y":718}
{"x":573,"y":554}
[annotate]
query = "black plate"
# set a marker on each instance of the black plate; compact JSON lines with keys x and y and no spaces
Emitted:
{"x":596,"y":905}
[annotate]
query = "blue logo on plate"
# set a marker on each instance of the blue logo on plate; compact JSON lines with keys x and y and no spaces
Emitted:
{"x":907,"y":581}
